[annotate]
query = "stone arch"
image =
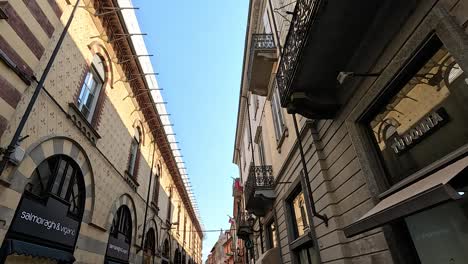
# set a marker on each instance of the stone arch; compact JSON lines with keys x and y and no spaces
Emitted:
{"x":138,"y":124}
{"x":166,"y":242}
{"x":152,"y":224}
{"x":127,"y":200}
{"x":98,"y":48}
{"x":50,"y":146}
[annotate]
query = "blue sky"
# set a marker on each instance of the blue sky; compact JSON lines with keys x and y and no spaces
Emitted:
{"x":198,"y":51}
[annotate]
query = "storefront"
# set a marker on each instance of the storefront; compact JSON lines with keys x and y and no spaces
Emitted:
{"x":149,"y":252}
{"x":120,"y":237}
{"x":47,"y":220}
{"x":165,"y":252}
{"x":419,"y":131}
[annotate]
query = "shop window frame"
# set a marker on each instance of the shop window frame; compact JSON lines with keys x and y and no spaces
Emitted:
{"x":309,"y":238}
{"x":270,"y":234}
{"x":440,"y":23}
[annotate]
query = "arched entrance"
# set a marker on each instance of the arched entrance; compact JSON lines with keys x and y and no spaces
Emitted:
{"x":47,"y":220}
{"x":183,"y":261}
{"x":177,"y":256}
{"x":165,"y":252}
{"x":149,"y":247}
{"x":120,"y":237}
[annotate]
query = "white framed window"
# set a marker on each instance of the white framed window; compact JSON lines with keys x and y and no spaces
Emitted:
{"x":266,"y":22}
{"x":91,"y":88}
{"x":277,"y":111}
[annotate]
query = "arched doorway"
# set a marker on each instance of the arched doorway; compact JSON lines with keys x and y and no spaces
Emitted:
{"x":120,"y":237}
{"x":47,"y":220}
{"x":183,"y":261}
{"x":177,"y":256}
{"x":165,"y":252}
{"x":149,"y":247}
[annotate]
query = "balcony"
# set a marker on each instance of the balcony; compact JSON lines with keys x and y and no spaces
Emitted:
{"x":260,"y":190}
{"x":263,"y":55}
{"x":324,"y":38}
{"x":242,"y":224}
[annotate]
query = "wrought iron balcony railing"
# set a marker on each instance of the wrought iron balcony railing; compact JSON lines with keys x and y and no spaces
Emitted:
{"x":242,"y":224}
{"x":293,"y":46}
{"x":261,"y":58}
{"x":260,"y":177}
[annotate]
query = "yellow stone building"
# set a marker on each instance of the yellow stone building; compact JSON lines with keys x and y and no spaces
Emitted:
{"x":94,"y":177}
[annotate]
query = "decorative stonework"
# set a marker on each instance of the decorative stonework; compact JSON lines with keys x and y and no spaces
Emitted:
{"x":82,"y":124}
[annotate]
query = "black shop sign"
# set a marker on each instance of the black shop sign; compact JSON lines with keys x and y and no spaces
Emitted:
{"x":47,"y":221}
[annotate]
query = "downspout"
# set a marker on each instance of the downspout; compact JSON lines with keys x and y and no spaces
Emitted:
{"x":16,"y":137}
{"x":305,"y":175}
{"x":147,"y":198}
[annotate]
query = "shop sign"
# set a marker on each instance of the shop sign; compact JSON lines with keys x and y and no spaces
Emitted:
{"x":428,"y":124}
{"x":49,"y":221}
{"x":118,"y":248}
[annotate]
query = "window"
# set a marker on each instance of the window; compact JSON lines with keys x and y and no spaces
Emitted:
{"x":178,"y":220}
{"x":134,"y":154}
{"x":91,"y":88}
{"x":157,"y":184}
{"x":308,"y":255}
{"x":299,"y":215}
{"x":425,"y":108}
{"x":261,"y":151}
{"x":122,"y":224}
{"x":247,"y":135}
{"x":271,"y":235}
{"x":166,"y":249}
{"x":277,"y":111}
{"x":169,"y":206}
{"x":254,"y":99}
{"x":266,"y":22}
{"x":185,"y":228}
{"x":60,"y":176}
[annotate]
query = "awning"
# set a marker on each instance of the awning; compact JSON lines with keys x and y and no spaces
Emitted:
{"x":12,"y":246}
{"x":432,"y":190}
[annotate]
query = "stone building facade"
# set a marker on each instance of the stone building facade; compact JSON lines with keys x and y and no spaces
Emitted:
{"x":94,"y":177}
{"x":376,"y":88}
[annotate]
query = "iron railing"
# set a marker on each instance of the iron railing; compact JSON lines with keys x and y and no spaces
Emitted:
{"x":295,"y":40}
{"x":260,"y":42}
{"x":242,"y":219}
{"x":260,"y":177}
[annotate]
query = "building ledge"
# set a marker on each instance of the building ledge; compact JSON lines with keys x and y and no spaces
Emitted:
{"x":75,"y":115}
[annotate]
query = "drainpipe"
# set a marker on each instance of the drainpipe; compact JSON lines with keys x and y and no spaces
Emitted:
{"x":147,"y":199}
{"x":16,"y":137}
{"x":305,"y":176}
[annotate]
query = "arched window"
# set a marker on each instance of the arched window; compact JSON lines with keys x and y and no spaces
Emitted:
{"x":135,"y":153}
{"x":120,"y":237}
{"x":149,"y":247}
{"x":122,"y":224}
{"x":177,"y":256}
{"x":92,"y":85}
{"x":60,"y":176}
{"x":166,"y":249}
{"x":157,"y":183}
